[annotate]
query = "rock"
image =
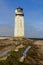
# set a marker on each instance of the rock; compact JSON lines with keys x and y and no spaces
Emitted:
{"x":21,"y":59}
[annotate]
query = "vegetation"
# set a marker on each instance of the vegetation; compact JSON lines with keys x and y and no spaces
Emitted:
{"x":33,"y":55}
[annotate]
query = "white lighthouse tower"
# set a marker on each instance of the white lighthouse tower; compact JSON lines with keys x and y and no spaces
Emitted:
{"x":19,"y":23}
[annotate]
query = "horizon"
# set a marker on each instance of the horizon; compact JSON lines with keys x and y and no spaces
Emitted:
{"x":33,"y":17}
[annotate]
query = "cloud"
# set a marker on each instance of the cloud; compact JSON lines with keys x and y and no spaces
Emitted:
{"x":31,"y":31}
{"x":6,"y":30}
{"x":38,"y":25}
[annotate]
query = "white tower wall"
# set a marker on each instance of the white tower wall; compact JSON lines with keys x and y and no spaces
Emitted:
{"x":19,"y":25}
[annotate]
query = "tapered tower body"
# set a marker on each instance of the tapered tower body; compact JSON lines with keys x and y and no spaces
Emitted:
{"x":19,"y":23}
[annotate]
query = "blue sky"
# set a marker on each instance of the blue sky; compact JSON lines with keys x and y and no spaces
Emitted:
{"x":33,"y":11}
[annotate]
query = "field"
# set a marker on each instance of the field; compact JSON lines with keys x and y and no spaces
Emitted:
{"x":15,"y":48}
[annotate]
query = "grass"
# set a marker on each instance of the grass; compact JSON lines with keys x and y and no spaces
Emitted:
{"x":32,"y":55}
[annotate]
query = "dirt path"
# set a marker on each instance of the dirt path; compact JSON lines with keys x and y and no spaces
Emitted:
{"x":6,"y":48}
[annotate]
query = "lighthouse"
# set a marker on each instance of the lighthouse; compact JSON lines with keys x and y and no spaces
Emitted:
{"x":19,"y":23}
